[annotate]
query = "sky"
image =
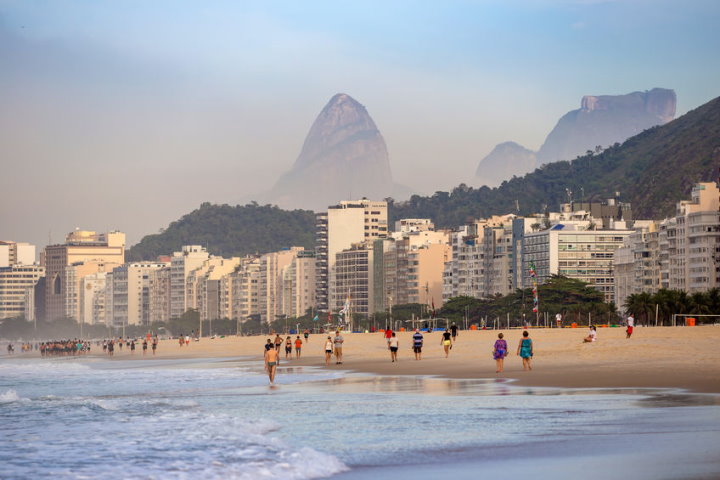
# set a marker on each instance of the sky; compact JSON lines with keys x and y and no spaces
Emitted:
{"x":128,"y":114}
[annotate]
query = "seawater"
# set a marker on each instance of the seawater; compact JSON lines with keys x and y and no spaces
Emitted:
{"x":93,"y":418}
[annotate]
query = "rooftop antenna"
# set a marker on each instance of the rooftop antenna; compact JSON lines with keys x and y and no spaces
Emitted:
{"x":569,"y":192}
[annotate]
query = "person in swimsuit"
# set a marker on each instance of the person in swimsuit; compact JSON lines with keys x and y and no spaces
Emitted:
{"x":278,"y":342}
{"x":132,"y":347}
{"x":154,"y":344}
{"x":500,"y":351}
{"x":306,"y":334}
{"x":328,"y":350}
{"x":393,"y":345}
{"x":454,"y":330}
{"x":269,"y":344}
{"x":288,"y":347}
{"x":525,"y":350}
{"x":446,"y":342}
{"x":144,"y":346}
{"x":298,"y":346}
{"x":271,"y":363}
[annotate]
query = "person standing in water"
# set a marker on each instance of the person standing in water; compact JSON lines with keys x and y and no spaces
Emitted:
{"x":525,"y":350}
{"x":500,"y":351}
{"x":271,"y":362}
{"x":446,"y":342}
{"x":393,"y":345}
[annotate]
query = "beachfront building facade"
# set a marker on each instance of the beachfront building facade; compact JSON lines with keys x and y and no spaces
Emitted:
{"x":92,"y":299}
{"x":182,"y":264}
{"x":16,"y":253}
{"x":569,"y":250}
{"x":298,"y":284}
{"x":130,"y":293}
{"x":106,"y":249}
{"x":15,"y":283}
{"x":353,"y":280}
{"x":244,"y":285}
{"x":680,"y":253}
{"x":343,"y":225}
{"x":74,"y":283}
{"x":159,"y":294}
{"x":204,"y":287}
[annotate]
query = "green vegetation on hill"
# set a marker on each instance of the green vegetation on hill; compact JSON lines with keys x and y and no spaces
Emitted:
{"x":652,"y":170}
{"x":231,"y":231}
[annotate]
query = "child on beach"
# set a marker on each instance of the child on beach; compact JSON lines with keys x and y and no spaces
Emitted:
{"x":592,"y":335}
{"x":500,"y":352}
{"x":525,"y":350}
{"x":328,"y":351}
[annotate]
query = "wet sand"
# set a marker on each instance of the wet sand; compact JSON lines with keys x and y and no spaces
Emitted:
{"x":663,"y":357}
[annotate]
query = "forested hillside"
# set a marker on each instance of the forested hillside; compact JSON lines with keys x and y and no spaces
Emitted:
{"x":231,"y":231}
{"x":652,"y":170}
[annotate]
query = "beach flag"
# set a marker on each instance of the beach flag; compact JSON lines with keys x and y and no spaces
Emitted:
{"x":346,"y":308}
{"x":432,"y":312}
{"x":533,"y":275}
{"x":316,"y":318}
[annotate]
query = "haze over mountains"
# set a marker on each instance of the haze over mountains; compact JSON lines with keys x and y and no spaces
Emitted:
{"x":344,"y":156}
{"x":600,"y":121}
{"x":653,"y":170}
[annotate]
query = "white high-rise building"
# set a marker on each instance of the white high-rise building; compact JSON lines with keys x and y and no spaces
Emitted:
{"x":130,"y":299}
{"x":343,"y":225}
{"x":181,"y":264}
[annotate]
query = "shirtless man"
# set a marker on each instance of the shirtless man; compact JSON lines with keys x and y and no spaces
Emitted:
{"x":271,"y":361}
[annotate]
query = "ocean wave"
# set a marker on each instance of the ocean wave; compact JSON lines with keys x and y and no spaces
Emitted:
{"x":9,"y":396}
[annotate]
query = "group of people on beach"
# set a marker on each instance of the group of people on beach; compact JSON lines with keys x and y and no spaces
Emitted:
{"x":272,"y":351}
{"x":64,"y":347}
{"x":524,"y":351}
{"x":108,"y":346}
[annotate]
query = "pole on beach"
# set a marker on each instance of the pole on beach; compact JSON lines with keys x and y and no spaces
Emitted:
{"x":508,"y":320}
{"x":656,"y":313}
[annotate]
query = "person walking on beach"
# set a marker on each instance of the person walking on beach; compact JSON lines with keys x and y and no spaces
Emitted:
{"x":187,"y":340}
{"x":278,"y":342}
{"x":592,"y":335}
{"x":417,"y":344}
{"x":454,"y":331}
{"x":298,"y":346}
{"x":630,"y":326}
{"x":144,"y":346}
{"x":446,"y":342}
{"x":269,"y":345}
{"x":306,"y":334}
{"x":525,"y":350}
{"x":154,"y":344}
{"x":328,"y":351}
{"x":182,"y":341}
{"x":132,"y":347}
{"x":393,"y":344}
{"x":288,"y":347}
{"x":500,"y":351}
{"x":388,"y":334}
{"x":271,"y":363}
{"x":338,"y":341}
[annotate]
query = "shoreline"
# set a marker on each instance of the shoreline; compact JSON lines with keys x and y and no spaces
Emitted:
{"x":655,"y":357}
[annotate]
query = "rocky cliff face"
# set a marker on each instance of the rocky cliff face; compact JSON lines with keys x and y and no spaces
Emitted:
{"x":344,"y":156}
{"x":604,"y":120}
{"x":506,"y":160}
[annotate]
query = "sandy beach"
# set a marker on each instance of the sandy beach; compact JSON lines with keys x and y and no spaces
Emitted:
{"x":665,"y":357}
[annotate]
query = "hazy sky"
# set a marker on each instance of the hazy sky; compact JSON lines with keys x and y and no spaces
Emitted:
{"x":128,"y":114}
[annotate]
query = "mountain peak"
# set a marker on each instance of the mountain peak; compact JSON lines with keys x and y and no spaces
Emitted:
{"x":344,"y":156}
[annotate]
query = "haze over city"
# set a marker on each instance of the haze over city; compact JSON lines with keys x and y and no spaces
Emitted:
{"x":128,"y":117}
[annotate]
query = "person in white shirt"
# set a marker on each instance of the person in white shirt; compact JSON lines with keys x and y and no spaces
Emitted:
{"x":393,"y":345}
{"x":630,"y":326}
{"x":592,"y":335}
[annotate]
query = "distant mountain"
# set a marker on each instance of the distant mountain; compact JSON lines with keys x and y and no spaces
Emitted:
{"x":653,"y":170}
{"x":604,"y":120}
{"x":505,"y":161}
{"x":344,"y":156}
{"x":231,"y":231}
{"x":599,"y":122}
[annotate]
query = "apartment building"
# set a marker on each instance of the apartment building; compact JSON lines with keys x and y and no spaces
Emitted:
{"x":15,"y":283}
{"x":299,"y":284}
{"x":130,"y":293}
{"x":92,"y":299}
{"x":16,"y":253}
{"x":343,"y":225}
{"x":182,"y":264}
{"x":80,"y":247}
